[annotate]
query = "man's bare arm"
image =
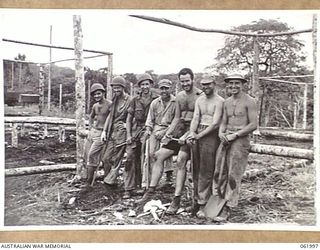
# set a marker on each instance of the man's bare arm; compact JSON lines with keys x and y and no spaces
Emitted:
{"x":196,"y":118}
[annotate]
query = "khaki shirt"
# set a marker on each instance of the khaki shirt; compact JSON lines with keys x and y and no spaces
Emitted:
{"x":159,"y":114}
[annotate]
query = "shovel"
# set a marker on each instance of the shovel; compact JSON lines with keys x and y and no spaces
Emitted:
{"x":216,"y":202}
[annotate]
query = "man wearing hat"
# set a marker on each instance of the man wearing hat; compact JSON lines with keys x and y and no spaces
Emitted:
{"x":238,"y":121}
{"x":114,"y":131}
{"x":160,"y":116}
{"x":135,"y":125}
{"x":204,"y":136}
{"x":177,"y":133}
{"x":93,"y":145}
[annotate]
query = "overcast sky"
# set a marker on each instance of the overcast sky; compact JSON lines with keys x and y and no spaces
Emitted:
{"x":137,"y":45}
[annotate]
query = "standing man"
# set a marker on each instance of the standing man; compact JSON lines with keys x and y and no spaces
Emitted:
{"x":160,"y":116}
{"x":93,"y":145}
{"x":179,"y":128}
{"x":114,"y":131}
{"x":135,"y":125}
{"x":204,"y":133}
{"x":239,"y":120}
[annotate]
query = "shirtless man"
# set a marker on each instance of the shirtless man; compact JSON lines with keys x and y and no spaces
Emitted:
{"x":239,"y":120}
{"x":93,"y":145}
{"x":204,"y":132}
{"x":179,"y":128}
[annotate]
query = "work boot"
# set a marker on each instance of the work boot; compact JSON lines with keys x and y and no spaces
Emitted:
{"x":201,"y":214}
{"x":174,"y":206}
{"x":141,"y":191}
{"x":148,"y":195}
{"x":169,"y":178}
{"x":127,"y":194}
{"x":193,"y":209}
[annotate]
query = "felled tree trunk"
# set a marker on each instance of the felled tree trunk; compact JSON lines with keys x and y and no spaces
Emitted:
{"x":287,"y":134}
{"x":282,"y":151}
{"x":39,"y":169}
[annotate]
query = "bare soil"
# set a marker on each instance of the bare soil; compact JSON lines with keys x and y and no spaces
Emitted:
{"x":275,"y":190}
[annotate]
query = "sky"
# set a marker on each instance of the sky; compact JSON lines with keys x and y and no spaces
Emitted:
{"x":137,"y":45}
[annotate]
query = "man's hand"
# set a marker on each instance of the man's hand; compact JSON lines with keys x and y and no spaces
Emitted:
{"x":231,"y":137}
{"x":224,"y":139}
{"x":103,"y":136}
{"x":129,"y":140}
{"x":160,"y":134}
{"x":145,"y":136}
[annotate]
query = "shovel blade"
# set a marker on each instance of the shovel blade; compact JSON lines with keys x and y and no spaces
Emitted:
{"x":214,"y":206}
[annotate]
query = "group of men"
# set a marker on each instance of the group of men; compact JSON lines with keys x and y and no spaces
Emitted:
{"x":196,"y":125}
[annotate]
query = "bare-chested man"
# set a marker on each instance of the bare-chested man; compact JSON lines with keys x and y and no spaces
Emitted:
{"x":204,"y":133}
{"x":93,"y":145}
{"x":239,"y":120}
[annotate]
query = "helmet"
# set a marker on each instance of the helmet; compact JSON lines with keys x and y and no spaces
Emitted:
{"x":119,"y":81}
{"x":97,"y":86}
{"x":144,"y":77}
{"x":235,"y":77}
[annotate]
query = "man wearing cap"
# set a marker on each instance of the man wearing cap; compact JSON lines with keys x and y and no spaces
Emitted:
{"x":178,"y":130}
{"x":160,"y":116}
{"x":238,"y":121}
{"x":135,"y":125}
{"x":93,"y":145}
{"x":114,"y":131}
{"x":204,"y":134}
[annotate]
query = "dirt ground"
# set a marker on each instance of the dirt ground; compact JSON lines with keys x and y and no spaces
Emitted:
{"x":275,"y":190}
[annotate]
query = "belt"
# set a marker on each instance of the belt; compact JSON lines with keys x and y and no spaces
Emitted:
{"x":98,"y":128}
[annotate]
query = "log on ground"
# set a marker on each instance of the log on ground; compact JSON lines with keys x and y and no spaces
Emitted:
{"x":282,"y":151}
{"x":39,"y":169}
{"x":287,"y":134}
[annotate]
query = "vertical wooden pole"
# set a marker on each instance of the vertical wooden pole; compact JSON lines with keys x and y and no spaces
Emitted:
{"x":80,"y":91}
{"x":41,"y":88}
{"x":305,"y":104}
{"x":255,"y":78}
{"x":12,"y":75}
{"x":60,"y":97}
{"x":110,"y":68}
{"x":295,"y":120}
{"x":49,"y":71}
{"x":20,"y":69}
{"x":89,"y":97}
{"x":14,"y":135}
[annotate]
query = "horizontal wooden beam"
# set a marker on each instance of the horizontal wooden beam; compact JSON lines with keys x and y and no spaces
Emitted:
{"x":227,"y":32}
{"x":53,"y":46}
{"x":40,"y":119}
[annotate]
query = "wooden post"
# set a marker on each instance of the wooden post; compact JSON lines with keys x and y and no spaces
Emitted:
{"x":14,"y":135}
{"x":62,"y":133}
{"x":60,"y":96}
{"x":41,"y":88}
{"x":131,"y":89}
{"x":80,"y":91}
{"x":110,"y":65}
{"x":20,"y":69}
{"x":295,"y":118}
{"x":305,"y":104}
{"x":49,"y":71}
{"x":255,"y":77}
{"x":12,"y":75}
{"x":89,"y":97}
